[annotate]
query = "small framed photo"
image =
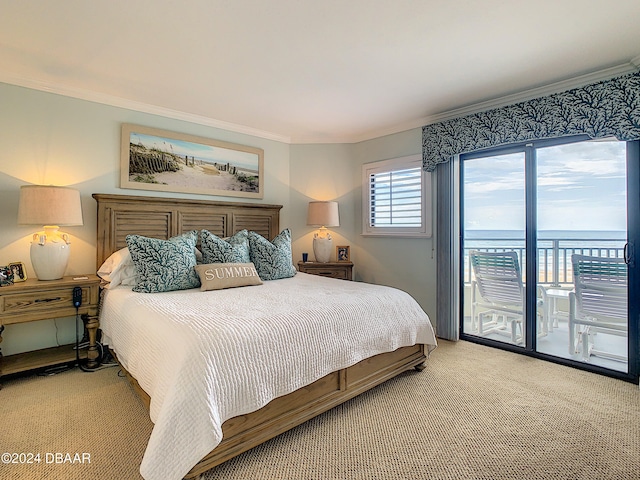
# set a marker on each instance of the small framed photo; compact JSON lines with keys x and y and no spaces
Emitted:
{"x":6,"y":276}
{"x":342,"y":253}
{"x":18,"y":271}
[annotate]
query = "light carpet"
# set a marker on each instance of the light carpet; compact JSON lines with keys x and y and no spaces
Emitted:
{"x":473,"y":413}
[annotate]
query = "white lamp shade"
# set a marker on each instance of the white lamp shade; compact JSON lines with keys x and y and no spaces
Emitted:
{"x":49,"y":206}
{"x":323,"y":214}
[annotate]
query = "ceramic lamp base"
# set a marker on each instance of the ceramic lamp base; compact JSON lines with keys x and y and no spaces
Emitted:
{"x":50,"y":254}
{"x":322,"y":248}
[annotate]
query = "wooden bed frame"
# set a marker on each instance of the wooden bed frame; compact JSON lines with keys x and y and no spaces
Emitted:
{"x":121,"y":215}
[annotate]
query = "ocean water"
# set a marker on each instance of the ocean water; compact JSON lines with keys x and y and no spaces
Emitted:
{"x":553,"y":246}
{"x":566,"y":238}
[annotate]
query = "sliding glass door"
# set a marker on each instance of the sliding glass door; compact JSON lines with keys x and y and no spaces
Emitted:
{"x":582,"y":224}
{"x":546,"y":256}
{"x":494,"y":258}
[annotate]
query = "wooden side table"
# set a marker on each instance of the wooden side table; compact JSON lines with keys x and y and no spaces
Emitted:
{"x":342,"y":270}
{"x":34,"y":300}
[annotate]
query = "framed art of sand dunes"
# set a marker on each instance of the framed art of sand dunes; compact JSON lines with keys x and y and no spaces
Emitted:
{"x":160,"y":160}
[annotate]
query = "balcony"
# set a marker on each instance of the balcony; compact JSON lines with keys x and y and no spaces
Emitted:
{"x":554,"y":254}
{"x":555,"y":278}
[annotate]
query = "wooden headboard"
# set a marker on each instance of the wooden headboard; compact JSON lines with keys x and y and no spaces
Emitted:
{"x":121,"y":215}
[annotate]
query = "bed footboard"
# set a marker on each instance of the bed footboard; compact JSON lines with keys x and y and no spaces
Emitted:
{"x":244,"y":432}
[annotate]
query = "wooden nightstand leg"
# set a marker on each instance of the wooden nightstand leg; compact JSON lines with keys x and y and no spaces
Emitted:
{"x":92,"y":325}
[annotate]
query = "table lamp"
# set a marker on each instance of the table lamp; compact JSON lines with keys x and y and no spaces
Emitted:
{"x":323,"y":215}
{"x":52,"y":207}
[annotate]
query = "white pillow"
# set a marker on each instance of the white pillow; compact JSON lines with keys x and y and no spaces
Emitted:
{"x":119,"y":269}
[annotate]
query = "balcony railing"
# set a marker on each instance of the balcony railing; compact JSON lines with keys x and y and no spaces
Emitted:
{"x":554,"y":255}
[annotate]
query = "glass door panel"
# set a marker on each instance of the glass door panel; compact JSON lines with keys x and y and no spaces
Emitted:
{"x":493,"y":213}
{"x":581,"y":234}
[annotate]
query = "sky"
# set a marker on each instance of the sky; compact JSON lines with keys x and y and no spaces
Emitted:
{"x":581,"y":186}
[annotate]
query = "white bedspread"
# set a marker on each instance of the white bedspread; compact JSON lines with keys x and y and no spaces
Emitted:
{"x":205,"y":357}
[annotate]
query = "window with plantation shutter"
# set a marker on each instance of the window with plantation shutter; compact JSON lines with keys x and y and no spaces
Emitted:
{"x":396,"y":197}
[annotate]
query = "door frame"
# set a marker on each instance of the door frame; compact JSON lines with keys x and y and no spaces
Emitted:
{"x":633,"y":249}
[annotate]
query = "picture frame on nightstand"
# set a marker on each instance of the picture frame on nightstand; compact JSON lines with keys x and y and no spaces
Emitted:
{"x":343,"y":253}
{"x":19,"y":272}
{"x":6,"y":276}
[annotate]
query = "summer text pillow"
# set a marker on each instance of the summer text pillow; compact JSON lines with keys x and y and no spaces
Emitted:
{"x":215,"y":276}
{"x":234,"y":249}
{"x":164,"y":265}
{"x":272,"y":259}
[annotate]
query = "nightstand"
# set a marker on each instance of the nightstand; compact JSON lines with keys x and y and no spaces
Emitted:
{"x":342,"y":270}
{"x":34,"y":300}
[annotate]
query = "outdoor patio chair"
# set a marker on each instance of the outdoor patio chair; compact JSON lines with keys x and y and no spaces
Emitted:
{"x":598,"y":303}
{"x":497,"y":294}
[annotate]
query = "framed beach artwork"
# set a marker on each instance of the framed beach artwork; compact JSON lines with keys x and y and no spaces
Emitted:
{"x":160,"y":160}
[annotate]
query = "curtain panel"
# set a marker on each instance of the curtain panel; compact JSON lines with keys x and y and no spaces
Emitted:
{"x":603,"y":109}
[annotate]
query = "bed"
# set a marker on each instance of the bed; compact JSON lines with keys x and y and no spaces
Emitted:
{"x":210,"y":381}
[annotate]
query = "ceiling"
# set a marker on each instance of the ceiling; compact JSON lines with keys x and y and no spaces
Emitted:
{"x":321,"y":71}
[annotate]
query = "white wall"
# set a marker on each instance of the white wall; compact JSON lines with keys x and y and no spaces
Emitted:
{"x":52,"y":139}
{"x":323,"y":172}
{"x":333,"y":172}
{"x":405,"y":263}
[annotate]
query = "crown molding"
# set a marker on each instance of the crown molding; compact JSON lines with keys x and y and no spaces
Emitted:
{"x":543,"y":91}
{"x":525,"y":95}
{"x":114,"y":101}
{"x":575,"y":82}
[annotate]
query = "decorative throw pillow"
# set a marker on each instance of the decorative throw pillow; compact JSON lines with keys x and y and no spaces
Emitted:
{"x":272,"y":259}
{"x":234,"y":249}
{"x":164,"y":265}
{"x":216,"y":276}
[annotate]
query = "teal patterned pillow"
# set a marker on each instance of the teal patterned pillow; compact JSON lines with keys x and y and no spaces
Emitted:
{"x":164,"y":265}
{"x":272,"y":259}
{"x":234,"y":249}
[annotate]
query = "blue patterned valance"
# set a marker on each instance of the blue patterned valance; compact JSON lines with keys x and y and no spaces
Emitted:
{"x":603,"y":109}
